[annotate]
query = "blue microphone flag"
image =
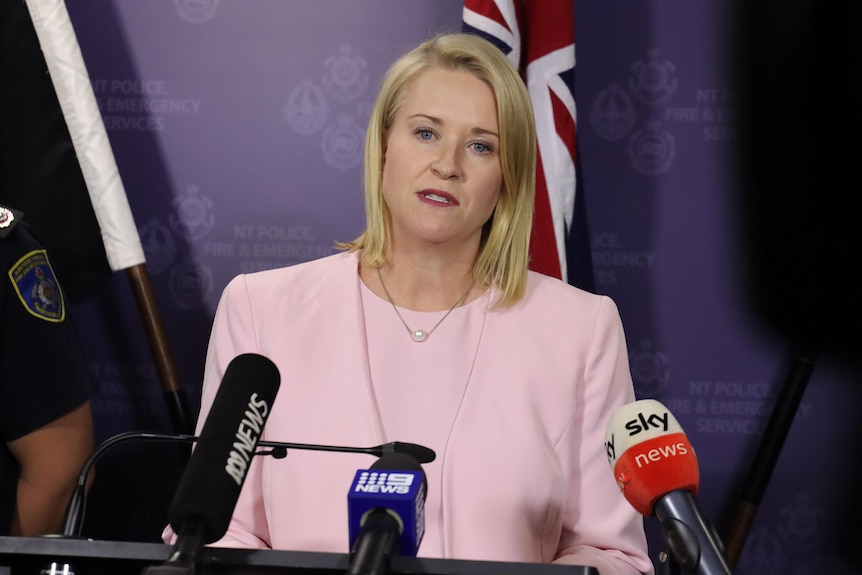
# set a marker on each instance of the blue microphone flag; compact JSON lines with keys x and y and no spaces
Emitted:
{"x":395,"y":483}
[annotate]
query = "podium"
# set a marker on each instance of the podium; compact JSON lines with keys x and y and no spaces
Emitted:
{"x":34,"y":555}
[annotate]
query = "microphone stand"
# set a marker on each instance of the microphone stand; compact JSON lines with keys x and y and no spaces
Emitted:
{"x":187,"y":552}
{"x":783,"y":413}
{"x":667,"y":565}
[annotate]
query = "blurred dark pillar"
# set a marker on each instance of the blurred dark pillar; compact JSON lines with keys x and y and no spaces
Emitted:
{"x":797,"y":71}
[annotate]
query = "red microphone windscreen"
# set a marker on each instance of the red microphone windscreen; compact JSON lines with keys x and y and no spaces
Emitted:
{"x":649,"y":454}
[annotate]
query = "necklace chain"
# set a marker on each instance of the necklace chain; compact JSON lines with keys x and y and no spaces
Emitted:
{"x":420,"y":335}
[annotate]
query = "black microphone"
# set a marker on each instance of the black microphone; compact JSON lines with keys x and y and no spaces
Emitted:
{"x":386,"y":513}
{"x":75,"y":510}
{"x":204,"y":501}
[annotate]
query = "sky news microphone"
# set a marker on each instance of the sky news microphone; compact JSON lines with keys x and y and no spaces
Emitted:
{"x":386,"y":513}
{"x":203,"y":504}
{"x":656,"y":469}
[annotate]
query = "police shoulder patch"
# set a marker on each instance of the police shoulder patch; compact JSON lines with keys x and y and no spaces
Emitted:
{"x":37,"y":286}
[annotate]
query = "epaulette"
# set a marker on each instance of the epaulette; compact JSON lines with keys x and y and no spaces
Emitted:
{"x":9,"y":218}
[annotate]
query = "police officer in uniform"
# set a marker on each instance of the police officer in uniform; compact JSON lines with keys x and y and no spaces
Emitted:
{"x":45,"y":390}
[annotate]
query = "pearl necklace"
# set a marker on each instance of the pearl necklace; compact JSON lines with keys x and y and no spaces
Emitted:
{"x":420,"y":335}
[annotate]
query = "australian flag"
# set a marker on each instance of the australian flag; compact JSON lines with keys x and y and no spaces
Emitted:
{"x":538,"y":37}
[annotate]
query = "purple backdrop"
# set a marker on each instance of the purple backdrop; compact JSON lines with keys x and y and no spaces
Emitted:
{"x":238,"y":125}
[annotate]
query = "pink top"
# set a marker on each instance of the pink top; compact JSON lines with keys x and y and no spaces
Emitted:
{"x":514,"y":402}
{"x":416,"y":394}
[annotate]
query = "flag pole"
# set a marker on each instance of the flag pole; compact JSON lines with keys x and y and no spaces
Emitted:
{"x":175,"y":396}
{"x":98,"y":166}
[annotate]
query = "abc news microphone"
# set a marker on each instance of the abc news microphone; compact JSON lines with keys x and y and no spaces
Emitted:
{"x":386,"y":513}
{"x":206,"y":496}
{"x":656,"y":469}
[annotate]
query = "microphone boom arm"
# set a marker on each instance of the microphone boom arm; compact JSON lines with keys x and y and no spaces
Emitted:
{"x":77,"y":503}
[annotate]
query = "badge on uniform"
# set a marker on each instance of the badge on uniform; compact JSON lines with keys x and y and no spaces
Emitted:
{"x":9,"y":217}
{"x":37,"y":286}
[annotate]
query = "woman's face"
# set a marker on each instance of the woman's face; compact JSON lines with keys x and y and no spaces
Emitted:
{"x":441,"y":171}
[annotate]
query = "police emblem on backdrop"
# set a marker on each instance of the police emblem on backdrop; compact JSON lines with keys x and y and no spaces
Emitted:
{"x":651,"y":150}
{"x":654,"y":82}
{"x":346,"y":79}
{"x":190,"y":283}
{"x":763,"y":553}
{"x":306,"y":110}
{"x":649,"y":367}
{"x":159,"y":246}
{"x":196,"y":11}
{"x":193,"y":217}
{"x":613,"y":114}
{"x":802,"y":524}
{"x":37,"y":287}
{"x":342,"y":144}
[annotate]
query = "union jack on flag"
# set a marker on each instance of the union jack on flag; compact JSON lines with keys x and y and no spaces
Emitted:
{"x":538,"y":37}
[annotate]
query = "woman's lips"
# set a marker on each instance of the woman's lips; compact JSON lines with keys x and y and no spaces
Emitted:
{"x":437,"y":197}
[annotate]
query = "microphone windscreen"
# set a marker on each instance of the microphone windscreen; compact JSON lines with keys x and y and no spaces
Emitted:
{"x":211,"y":483}
{"x":395,"y":482}
{"x":649,"y":454}
{"x":400,"y":460}
{"x":420,"y":453}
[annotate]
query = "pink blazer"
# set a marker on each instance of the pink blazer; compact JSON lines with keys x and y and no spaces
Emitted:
{"x":525,"y":475}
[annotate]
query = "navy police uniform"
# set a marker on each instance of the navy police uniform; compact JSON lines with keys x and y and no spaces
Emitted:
{"x":42,"y":371}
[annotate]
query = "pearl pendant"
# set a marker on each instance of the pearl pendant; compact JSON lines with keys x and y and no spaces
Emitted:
{"x":419,"y":335}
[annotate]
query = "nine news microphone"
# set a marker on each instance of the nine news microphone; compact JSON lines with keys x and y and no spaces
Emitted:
{"x":386,"y":513}
{"x":656,"y":469}
{"x":210,"y":485}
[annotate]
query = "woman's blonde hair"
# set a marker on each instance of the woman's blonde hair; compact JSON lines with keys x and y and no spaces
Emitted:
{"x":503,"y":257}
